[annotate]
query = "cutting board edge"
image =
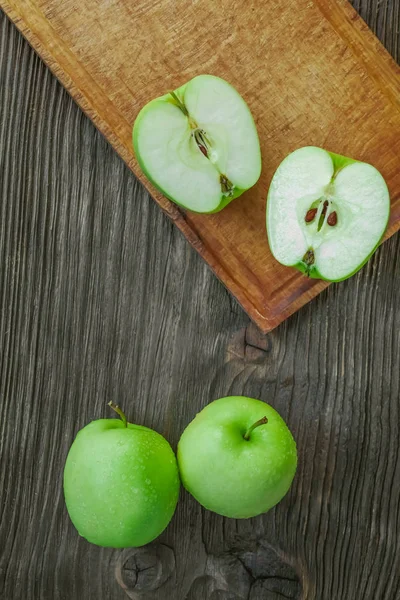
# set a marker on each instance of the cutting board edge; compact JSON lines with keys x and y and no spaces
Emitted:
{"x":266,"y":323}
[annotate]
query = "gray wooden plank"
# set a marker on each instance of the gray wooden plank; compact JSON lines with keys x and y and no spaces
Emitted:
{"x":101,"y":298}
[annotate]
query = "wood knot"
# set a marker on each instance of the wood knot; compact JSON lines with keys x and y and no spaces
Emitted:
{"x":250,"y":345}
{"x":225,"y":578}
{"x":146,"y":569}
{"x":273,"y":572}
{"x":254,"y":571}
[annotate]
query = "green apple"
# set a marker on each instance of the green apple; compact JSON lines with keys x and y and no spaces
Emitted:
{"x":121,"y":483}
{"x":326,"y":213}
{"x":237,"y":457}
{"x":198,"y":144}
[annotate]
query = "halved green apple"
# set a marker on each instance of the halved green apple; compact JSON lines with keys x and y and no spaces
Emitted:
{"x":326,"y":213}
{"x":199,"y":145}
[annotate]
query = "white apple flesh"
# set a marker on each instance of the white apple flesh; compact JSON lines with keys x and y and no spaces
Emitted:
{"x":199,"y":145}
{"x":326,"y":213}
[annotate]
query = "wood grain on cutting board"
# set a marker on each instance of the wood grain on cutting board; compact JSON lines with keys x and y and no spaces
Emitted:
{"x":311,"y":72}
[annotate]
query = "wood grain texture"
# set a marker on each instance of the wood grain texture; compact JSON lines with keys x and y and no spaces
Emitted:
{"x":102,"y":298}
{"x":312,"y":72}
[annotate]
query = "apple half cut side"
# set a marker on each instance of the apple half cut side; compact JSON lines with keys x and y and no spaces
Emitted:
{"x":198,"y":144}
{"x":326,"y":213}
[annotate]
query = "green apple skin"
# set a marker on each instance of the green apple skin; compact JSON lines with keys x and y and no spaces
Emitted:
{"x":228,"y":474}
{"x":339,"y":163}
{"x":225,"y":200}
{"x":121,"y":484}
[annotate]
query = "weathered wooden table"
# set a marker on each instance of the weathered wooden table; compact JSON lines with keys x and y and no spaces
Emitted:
{"x":102,"y":299}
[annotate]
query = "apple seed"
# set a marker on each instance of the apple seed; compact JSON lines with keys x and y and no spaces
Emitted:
{"x":310,"y":215}
{"x":203,"y":149}
{"x":202,"y":141}
{"x":332,"y":219}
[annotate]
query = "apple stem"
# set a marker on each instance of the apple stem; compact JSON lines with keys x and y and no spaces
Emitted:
{"x":179,"y":104}
{"x":250,"y":430}
{"x":119,"y":412}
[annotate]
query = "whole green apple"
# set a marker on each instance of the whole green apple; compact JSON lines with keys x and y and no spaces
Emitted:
{"x":237,"y":457}
{"x":121,"y":483}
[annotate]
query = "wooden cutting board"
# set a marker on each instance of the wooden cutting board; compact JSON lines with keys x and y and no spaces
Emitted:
{"x":310,"y":70}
